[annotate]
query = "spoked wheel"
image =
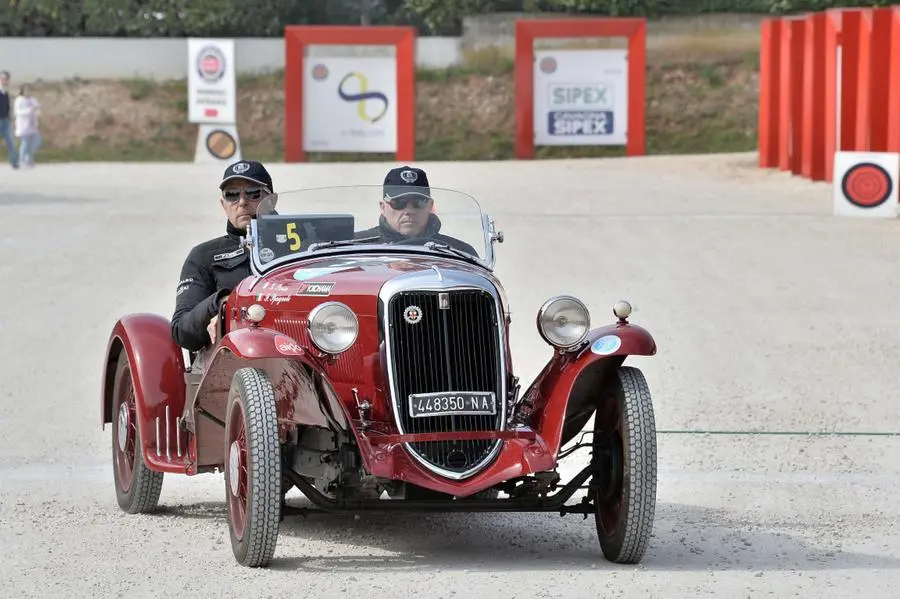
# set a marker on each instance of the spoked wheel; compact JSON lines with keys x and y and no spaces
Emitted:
{"x":625,"y":461}
{"x":252,"y":467}
{"x":137,"y":487}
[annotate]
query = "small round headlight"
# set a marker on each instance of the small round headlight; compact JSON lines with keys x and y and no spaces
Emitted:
{"x":563,"y":321}
{"x":333,"y":327}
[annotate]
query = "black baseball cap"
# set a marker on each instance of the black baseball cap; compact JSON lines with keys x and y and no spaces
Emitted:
{"x":249,"y":170}
{"x":405,"y":180}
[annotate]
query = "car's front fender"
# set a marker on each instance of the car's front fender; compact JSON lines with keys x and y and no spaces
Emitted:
{"x":303,"y":393}
{"x":566,"y":392}
{"x":157,"y":369}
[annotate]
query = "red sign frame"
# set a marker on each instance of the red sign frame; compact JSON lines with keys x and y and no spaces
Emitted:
{"x":527,"y":30}
{"x":297,"y":37}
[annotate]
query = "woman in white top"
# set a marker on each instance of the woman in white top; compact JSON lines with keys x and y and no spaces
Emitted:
{"x":26,"y":109}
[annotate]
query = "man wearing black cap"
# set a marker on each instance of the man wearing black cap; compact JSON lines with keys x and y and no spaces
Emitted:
{"x":215,"y":267}
{"x":406,"y":211}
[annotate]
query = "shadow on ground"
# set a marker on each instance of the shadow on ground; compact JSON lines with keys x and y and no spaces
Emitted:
{"x":686,"y":538}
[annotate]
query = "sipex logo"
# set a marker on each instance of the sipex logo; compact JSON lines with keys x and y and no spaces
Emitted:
{"x":362,"y":96}
{"x":580,"y":122}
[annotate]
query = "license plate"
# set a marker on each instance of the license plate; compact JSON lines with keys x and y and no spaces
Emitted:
{"x":456,"y":403}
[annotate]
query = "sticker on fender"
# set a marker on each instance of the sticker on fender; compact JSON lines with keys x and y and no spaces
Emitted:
{"x":606,"y":345}
{"x":320,"y":289}
{"x":287,"y":346}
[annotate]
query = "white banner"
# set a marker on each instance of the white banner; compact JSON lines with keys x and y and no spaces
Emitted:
{"x":212,"y":93}
{"x":580,"y":97}
{"x":350,"y":104}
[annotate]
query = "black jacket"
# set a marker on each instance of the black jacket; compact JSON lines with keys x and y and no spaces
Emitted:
{"x":388,"y":234}
{"x":212,"y":269}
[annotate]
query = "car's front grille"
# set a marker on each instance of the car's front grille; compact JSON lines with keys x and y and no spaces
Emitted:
{"x":447,"y":350}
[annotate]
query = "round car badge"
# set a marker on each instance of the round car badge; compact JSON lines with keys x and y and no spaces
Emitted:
{"x":606,"y":345}
{"x":266,"y":254}
{"x":412,"y":314}
{"x":866,"y":185}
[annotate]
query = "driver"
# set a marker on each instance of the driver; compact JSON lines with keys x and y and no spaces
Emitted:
{"x":406,"y":211}
{"x":215,"y":267}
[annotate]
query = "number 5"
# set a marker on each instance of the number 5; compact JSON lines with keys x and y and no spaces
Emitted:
{"x":292,"y":235}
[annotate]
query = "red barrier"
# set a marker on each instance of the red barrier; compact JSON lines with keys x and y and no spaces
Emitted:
{"x":769,"y":78}
{"x":829,"y":81}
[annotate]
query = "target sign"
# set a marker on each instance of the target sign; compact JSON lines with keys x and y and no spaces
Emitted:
{"x":865,"y":184}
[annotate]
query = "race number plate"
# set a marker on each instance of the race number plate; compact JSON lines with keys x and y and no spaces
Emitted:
{"x":453,"y":403}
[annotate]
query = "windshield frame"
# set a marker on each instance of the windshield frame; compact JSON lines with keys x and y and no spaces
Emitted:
{"x":258,"y":268}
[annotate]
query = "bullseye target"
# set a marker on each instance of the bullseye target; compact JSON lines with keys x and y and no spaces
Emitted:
{"x":865,"y":184}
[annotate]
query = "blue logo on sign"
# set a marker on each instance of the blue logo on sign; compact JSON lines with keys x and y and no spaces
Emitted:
{"x":606,"y":345}
{"x":363,"y":97}
{"x":580,"y":122}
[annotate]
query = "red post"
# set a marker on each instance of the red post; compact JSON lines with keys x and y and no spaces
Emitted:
{"x":812,"y":155}
{"x":297,"y":37}
{"x":893,"y":122}
{"x":879,"y":25}
{"x":769,"y":79}
{"x":832,"y":43}
{"x":633,"y":28}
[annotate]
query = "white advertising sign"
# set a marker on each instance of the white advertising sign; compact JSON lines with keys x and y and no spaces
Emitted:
{"x":580,"y":97}
{"x":212,"y":93}
{"x":350,"y":104}
{"x":865,"y":184}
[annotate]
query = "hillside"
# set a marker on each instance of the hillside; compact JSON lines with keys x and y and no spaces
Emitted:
{"x":696,"y":102}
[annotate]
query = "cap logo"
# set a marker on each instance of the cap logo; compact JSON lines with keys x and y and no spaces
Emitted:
{"x":240,"y":167}
{"x":409,"y":176}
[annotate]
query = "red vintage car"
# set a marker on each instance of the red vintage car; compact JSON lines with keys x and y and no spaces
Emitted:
{"x":376,"y":375}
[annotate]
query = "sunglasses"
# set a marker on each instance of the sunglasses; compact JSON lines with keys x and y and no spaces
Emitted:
{"x":252,"y":194}
{"x":402,"y":202}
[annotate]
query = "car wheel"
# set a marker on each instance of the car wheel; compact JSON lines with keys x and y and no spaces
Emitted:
{"x":253,"y":481}
{"x":625,"y":485}
{"x":137,"y":487}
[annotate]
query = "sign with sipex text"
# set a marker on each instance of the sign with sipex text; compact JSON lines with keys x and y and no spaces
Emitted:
{"x":212,"y":90}
{"x":350,"y":104}
{"x":580,"y":97}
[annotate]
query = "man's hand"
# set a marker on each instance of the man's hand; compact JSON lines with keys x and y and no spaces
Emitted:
{"x":213,"y":329}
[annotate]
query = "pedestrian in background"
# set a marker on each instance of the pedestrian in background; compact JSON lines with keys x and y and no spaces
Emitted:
{"x":5,"y":131}
{"x":27,"y":109}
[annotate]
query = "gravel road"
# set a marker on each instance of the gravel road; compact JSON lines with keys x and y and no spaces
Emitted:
{"x":770,"y":314}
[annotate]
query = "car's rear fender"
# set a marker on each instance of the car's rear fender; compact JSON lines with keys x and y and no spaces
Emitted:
{"x":157,"y":369}
{"x":303,"y":394}
{"x":566,"y":392}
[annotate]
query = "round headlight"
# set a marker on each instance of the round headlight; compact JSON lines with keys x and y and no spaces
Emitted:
{"x":333,"y":327}
{"x":563,"y":321}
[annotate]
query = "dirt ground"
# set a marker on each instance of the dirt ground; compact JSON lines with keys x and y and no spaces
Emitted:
{"x":695,"y":104}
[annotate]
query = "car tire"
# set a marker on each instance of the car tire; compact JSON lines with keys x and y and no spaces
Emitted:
{"x":137,"y":487}
{"x":253,"y":477}
{"x":625,"y":498}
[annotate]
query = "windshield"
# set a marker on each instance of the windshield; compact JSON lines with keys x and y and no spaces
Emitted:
{"x":327,"y":220}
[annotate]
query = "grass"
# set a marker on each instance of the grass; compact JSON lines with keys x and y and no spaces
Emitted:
{"x":700,"y":91}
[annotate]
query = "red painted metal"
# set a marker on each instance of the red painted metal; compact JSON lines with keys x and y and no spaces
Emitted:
{"x":812,"y":155}
{"x":298,"y":37}
{"x":157,"y":370}
{"x":893,"y":120}
{"x":633,"y":28}
{"x":769,"y":80}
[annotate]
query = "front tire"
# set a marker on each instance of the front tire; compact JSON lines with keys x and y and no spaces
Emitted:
{"x":253,"y":483}
{"x":625,"y":454}
{"x":137,"y":487}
